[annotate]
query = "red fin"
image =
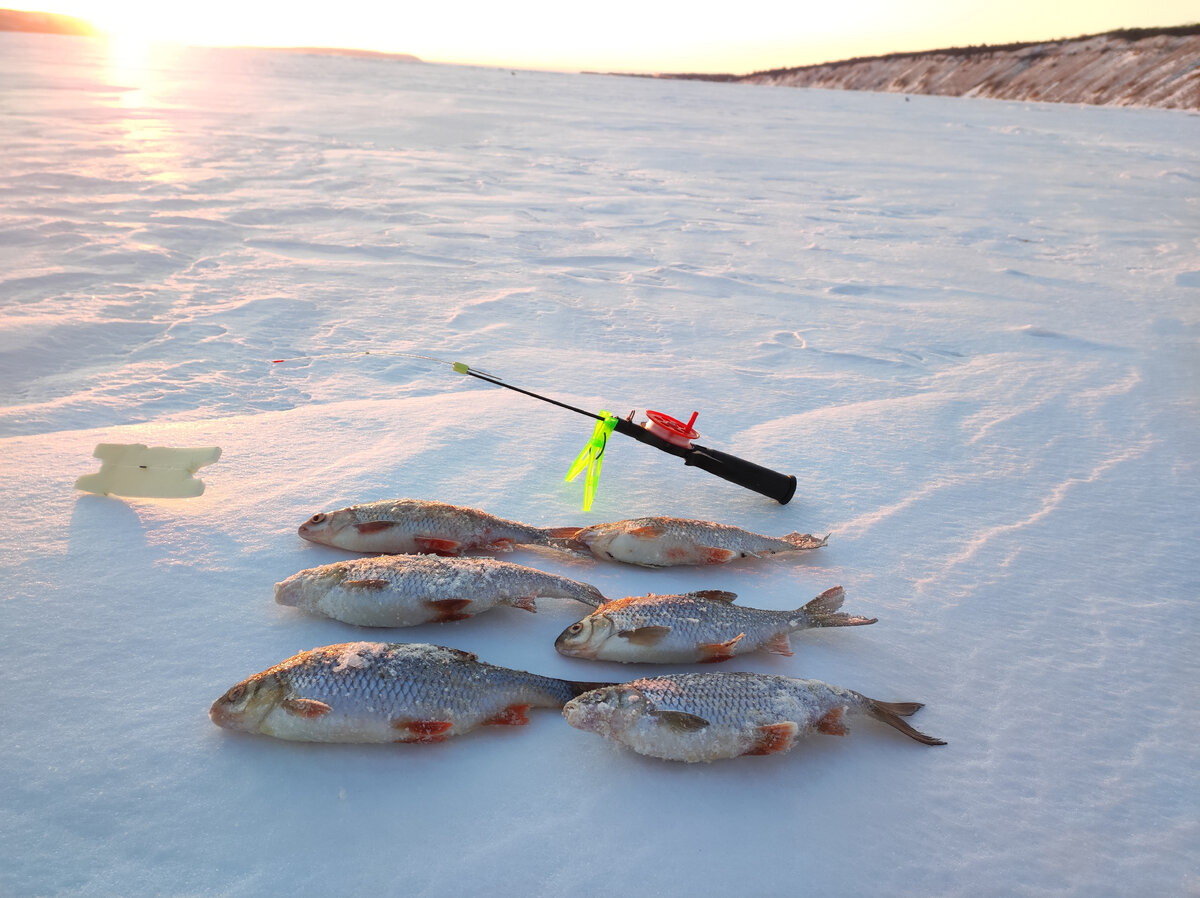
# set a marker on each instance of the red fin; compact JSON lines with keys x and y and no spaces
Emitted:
{"x":305,"y":707}
{"x":718,"y":651}
{"x":526,"y":603}
{"x":648,"y":531}
{"x":512,"y":716}
{"x":563,"y":532}
{"x":449,"y":609}
{"x":774,"y":738}
{"x":713,"y":555}
{"x":438,"y":546}
{"x":831,"y":724}
{"x":423,"y":730}
{"x":779,"y":645}
{"x":374,"y":526}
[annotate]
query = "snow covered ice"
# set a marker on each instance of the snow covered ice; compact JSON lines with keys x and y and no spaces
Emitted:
{"x":969,"y":328}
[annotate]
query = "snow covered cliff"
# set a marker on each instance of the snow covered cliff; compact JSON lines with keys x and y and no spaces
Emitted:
{"x":1119,"y":69}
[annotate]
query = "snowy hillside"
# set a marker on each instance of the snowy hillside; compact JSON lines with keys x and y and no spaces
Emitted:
{"x":971,"y":331}
{"x":1161,"y":70}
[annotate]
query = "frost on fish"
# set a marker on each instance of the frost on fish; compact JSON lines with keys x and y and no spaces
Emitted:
{"x":664,"y":542}
{"x":407,"y":590}
{"x":701,"y":627}
{"x":385,"y":692}
{"x":710,"y":716}
{"x":410,"y":526}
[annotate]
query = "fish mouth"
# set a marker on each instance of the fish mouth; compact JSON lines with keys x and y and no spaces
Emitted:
{"x":565,"y":646}
{"x":225,"y":717}
{"x":288,"y":593}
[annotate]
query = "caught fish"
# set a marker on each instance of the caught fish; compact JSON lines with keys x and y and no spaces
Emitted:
{"x":385,"y":692}
{"x":419,"y":526}
{"x":406,"y":590}
{"x":661,"y":542}
{"x":709,"y":716}
{"x":697,"y":627}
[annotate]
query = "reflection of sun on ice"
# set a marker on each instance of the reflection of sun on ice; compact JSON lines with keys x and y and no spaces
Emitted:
{"x":130,"y":35}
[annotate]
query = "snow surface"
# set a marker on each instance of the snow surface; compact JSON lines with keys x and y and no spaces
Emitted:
{"x":970,"y":328}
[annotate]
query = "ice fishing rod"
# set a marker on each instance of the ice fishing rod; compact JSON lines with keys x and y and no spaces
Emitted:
{"x":661,"y":431}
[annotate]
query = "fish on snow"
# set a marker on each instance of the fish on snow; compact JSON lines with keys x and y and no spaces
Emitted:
{"x":385,"y":692}
{"x":704,"y":626}
{"x":663,"y":541}
{"x":400,"y":526}
{"x":407,"y":590}
{"x":710,"y":716}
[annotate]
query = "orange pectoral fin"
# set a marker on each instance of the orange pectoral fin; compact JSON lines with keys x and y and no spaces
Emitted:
{"x":423,"y":730}
{"x":435,"y":546}
{"x":512,"y":716}
{"x":305,"y":707}
{"x":774,"y":738}
{"x":714,"y":652}
{"x":449,"y":609}
{"x":713,"y":555}
{"x":831,"y":723}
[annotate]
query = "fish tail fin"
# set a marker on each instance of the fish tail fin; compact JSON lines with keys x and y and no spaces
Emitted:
{"x":892,"y":713}
{"x":565,"y":538}
{"x":823,"y":611}
{"x":578,"y":688}
{"x":589,"y":595}
{"x":806,"y":540}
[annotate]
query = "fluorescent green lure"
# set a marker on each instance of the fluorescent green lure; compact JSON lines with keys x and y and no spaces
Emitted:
{"x":592,"y":457}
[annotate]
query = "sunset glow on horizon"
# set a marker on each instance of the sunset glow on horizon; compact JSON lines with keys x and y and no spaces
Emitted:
{"x":622,"y":35}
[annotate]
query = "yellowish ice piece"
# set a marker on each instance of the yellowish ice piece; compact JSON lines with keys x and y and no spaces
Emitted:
{"x":158,"y":472}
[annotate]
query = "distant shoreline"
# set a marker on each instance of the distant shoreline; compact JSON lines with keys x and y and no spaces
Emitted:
{"x":1131,"y":67}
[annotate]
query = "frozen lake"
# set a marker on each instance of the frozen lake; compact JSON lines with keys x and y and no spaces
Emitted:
{"x":969,"y":328}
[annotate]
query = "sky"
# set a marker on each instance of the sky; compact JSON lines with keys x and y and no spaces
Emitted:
{"x":624,"y":35}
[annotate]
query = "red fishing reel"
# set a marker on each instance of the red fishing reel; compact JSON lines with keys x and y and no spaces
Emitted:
{"x":671,"y":429}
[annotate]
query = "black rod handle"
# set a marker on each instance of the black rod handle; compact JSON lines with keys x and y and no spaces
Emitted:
{"x":780,"y":487}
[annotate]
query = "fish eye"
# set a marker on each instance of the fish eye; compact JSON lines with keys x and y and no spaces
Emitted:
{"x":317,"y":518}
{"x":575,"y":629}
{"x":235,"y":694}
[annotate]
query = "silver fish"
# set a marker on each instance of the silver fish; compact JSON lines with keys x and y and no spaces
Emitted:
{"x":416,"y":525}
{"x":385,"y":692}
{"x":709,"y":716}
{"x":697,"y":627}
{"x":661,"y":542}
{"x":406,"y":590}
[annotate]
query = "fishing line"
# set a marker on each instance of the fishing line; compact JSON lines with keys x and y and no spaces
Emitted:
{"x":662,"y":432}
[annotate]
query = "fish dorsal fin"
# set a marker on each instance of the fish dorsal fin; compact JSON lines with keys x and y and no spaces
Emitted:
{"x":645,"y":635}
{"x":714,"y":595}
{"x":680,"y":721}
{"x":305,"y":707}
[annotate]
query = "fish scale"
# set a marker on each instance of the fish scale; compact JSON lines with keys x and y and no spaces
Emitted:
{"x":665,"y":541}
{"x":700,"y":627}
{"x":710,"y":716}
{"x":419,"y":525}
{"x":385,"y":692}
{"x":406,"y":590}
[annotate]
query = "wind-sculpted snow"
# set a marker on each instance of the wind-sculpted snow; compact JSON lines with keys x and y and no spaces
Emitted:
{"x":970,"y":329}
